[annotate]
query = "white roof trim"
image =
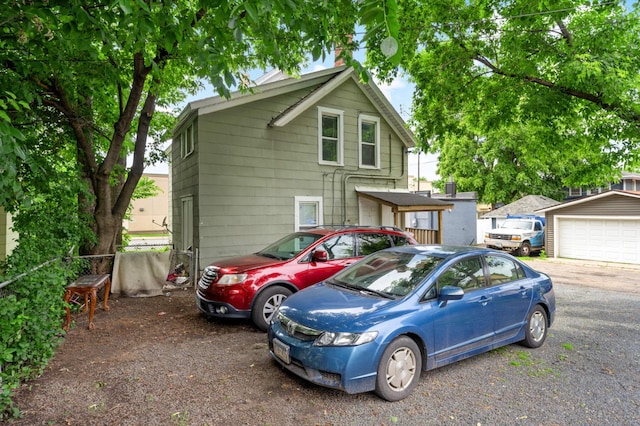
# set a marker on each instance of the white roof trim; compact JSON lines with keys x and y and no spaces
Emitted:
{"x":327,"y":88}
{"x":327,"y":80}
{"x":257,"y":92}
{"x":588,"y":199}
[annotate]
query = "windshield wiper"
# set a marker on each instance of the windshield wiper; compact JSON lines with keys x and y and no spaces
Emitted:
{"x":376,"y":292}
{"x":342,"y":284}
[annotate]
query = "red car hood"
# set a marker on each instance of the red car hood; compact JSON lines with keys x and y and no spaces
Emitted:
{"x":245,"y":263}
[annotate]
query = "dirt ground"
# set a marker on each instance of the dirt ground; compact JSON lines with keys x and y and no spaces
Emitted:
{"x":156,"y":360}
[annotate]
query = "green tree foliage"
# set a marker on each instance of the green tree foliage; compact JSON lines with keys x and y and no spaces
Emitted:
{"x":87,"y":83}
{"x":99,"y":74}
{"x":524,"y":97}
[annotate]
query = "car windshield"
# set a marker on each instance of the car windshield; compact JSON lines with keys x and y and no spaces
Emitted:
{"x":517,"y":224}
{"x":290,"y":246}
{"x":391,"y":273}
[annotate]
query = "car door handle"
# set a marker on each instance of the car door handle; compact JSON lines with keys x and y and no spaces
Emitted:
{"x":523,"y":291}
{"x":484,"y":300}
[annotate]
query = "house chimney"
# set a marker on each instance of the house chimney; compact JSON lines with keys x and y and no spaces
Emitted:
{"x":339,"y":48}
{"x":450,"y":188}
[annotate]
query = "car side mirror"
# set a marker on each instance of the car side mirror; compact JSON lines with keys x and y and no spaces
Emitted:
{"x":319,"y":256}
{"x":449,"y":292}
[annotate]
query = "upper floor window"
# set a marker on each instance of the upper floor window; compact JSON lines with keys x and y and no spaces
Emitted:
{"x":330,"y":136}
{"x":575,"y":192}
{"x":186,"y":141}
{"x":369,"y":138}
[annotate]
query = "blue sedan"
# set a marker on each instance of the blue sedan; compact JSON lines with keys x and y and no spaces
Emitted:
{"x":376,"y":325}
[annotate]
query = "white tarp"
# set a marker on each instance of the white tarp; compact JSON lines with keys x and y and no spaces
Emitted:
{"x":140,"y":273}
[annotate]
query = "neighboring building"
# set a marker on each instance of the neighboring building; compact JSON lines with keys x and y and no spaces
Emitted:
{"x":148,"y":214}
{"x":419,"y":185}
{"x":602,"y":227}
{"x":459,"y":222}
{"x":629,"y":182}
{"x":294,"y":153}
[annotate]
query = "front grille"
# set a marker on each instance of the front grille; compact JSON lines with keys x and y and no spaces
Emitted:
{"x":499,"y":236}
{"x":331,"y":379}
{"x":298,"y":330}
{"x":209,"y":275}
{"x":206,"y":307}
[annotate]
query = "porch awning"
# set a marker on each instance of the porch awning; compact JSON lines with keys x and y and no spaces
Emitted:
{"x":401,"y":202}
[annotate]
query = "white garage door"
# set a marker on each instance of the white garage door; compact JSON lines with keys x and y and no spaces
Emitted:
{"x":608,"y":240}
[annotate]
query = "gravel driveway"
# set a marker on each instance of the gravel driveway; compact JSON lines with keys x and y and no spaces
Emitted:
{"x":156,"y":361}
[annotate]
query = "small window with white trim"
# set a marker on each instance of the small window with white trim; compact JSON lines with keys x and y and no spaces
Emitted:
{"x":369,"y":141}
{"x":308,"y":212}
{"x":186,"y":141}
{"x":330,"y":136}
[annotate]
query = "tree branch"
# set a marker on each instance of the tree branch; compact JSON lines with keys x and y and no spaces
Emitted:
{"x":596,"y":99}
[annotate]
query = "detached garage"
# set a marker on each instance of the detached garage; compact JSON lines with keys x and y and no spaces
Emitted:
{"x":603,"y":227}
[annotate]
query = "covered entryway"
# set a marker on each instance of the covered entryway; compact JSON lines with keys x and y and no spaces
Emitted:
{"x":603,"y":239}
{"x":406,"y":202}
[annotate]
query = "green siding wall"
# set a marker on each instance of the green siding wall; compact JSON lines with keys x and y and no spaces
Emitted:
{"x":247,"y":174}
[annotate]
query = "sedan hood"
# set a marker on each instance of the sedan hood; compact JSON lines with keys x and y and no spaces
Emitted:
{"x":245,"y":263}
{"x":326,"y":308}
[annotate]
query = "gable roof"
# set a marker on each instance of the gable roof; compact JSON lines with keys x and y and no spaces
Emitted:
{"x":320,"y":83}
{"x":525,"y":205}
{"x":632,"y":194}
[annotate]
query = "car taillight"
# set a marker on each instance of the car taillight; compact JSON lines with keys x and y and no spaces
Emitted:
{"x":209,"y":275}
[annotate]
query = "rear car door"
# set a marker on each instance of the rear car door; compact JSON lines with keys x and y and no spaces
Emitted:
{"x":511,"y":293}
{"x":371,"y":242}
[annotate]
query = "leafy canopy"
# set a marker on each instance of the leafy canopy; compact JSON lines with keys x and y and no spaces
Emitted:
{"x":96,"y":78}
{"x":523,"y":97}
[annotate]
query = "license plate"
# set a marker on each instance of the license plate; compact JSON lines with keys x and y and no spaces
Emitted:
{"x":498,"y":244}
{"x":281,"y":350}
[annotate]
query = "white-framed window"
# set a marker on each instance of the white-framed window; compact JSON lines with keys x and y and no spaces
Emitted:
{"x":575,"y":192}
{"x":186,"y":141}
{"x":369,"y":141}
{"x":330,"y":136}
{"x":308,"y":213}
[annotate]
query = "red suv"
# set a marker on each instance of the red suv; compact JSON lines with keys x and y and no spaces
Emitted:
{"x":253,"y":286}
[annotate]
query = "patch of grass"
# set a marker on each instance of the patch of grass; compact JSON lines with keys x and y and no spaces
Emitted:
{"x":96,"y":407}
{"x":532,"y":367}
{"x":567,"y":346}
{"x":180,"y":418}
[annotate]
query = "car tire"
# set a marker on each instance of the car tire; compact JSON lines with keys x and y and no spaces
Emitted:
{"x":266,"y":304}
{"x":525,"y":249}
{"x":399,"y":369}
{"x":536,"y":328}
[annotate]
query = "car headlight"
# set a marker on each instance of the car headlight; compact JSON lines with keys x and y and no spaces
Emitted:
{"x":232,"y":279}
{"x":345,"y":339}
{"x":276,"y":316}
